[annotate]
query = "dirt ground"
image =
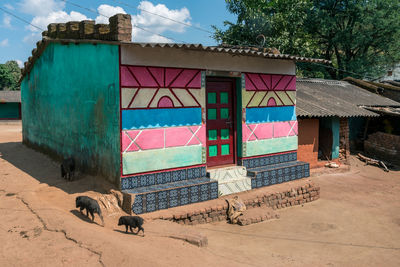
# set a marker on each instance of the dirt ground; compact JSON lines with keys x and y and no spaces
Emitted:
{"x":356,"y":222}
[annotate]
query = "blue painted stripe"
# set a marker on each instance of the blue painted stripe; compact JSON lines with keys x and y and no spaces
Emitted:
{"x":270,"y":114}
{"x":155,"y":118}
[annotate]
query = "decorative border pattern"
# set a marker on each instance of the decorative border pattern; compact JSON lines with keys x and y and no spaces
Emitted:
{"x":252,"y":99}
{"x":138,"y":140}
{"x":261,"y":131}
{"x":269,"y":82}
{"x":158,"y":118}
{"x":156,"y":77}
{"x":136,"y":98}
{"x":158,"y":87}
{"x":276,"y":175}
{"x":267,"y":160}
{"x":164,"y":177}
{"x":174,"y":197}
{"x":268,"y":90}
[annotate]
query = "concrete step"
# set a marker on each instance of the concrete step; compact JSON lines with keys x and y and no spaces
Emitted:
{"x":231,"y":179}
{"x":169,"y":195}
{"x":278,"y":173}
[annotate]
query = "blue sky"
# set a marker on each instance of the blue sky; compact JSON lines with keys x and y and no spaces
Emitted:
{"x":17,"y":38}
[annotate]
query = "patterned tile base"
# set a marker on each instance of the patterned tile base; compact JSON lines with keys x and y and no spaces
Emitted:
{"x":267,"y":160}
{"x":164,"y":177}
{"x":278,"y":173}
{"x":152,"y":198}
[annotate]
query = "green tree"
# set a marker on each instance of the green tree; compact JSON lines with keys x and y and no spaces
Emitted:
{"x":10,"y":74}
{"x":360,"y":36}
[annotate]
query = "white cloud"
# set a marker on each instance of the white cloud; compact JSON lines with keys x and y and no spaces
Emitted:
{"x":156,"y":23}
{"x":4,"y":43}
{"x":51,"y":11}
{"x":8,"y":6}
{"x":108,"y":11}
{"x":20,"y":63}
{"x":55,"y":17}
{"x":6,"y":21}
{"x":40,"y":7}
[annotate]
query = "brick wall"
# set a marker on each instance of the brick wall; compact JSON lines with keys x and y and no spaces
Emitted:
{"x":286,"y":198}
{"x":344,"y":143}
{"x":383,"y":146}
{"x":308,"y":141}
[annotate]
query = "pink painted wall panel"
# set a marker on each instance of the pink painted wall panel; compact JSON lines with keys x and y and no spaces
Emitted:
{"x":281,"y":85}
{"x":151,"y":139}
{"x":170,"y":75}
{"x":125,"y":141}
{"x":184,"y":78}
{"x":295,"y":126}
{"x":267,"y":80}
{"x":246,"y":132}
{"x":177,"y":136}
{"x":143,"y":76}
{"x":257,"y":81}
{"x":275,"y":80}
{"x":249,"y":85}
{"x":264,"y":131}
{"x":158,"y":74}
{"x":292,"y":85}
{"x":127,"y":78}
{"x":196,"y":82}
{"x":201,"y":134}
{"x":281,"y":129}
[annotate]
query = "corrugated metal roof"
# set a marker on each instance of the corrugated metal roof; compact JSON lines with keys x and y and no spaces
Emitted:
{"x":321,"y":98}
{"x":10,"y":96}
{"x":231,"y":50}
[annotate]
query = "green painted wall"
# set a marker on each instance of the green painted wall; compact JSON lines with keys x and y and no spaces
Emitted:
{"x":70,"y":102}
{"x":9,"y":110}
{"x":269,"y":146}
{"x":239,"y":139}
{"x":160,"y":159}
{"x":334,"y":125}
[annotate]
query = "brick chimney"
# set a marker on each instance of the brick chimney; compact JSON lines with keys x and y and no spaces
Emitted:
{"x":118,"y":29}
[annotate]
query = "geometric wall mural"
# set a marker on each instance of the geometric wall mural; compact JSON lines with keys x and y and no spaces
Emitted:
{"x":268,"y":98}
{"x":160,"y":138}
{"x":158,"y":87}
{"x":270,"y":82}
{"x":269,"y":90}
{"x":161,"y":97}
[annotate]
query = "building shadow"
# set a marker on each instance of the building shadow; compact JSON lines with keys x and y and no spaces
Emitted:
{"x":47,"y":171}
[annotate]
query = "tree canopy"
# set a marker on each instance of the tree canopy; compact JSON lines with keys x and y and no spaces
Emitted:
{"x":10,"y":73}
{"x":358,"y":36}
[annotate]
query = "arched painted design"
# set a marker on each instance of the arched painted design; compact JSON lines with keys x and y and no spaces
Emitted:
{"x":165,"y":102}
{"x":271,"y":102}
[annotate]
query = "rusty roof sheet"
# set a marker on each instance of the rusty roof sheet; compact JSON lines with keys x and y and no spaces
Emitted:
{"x":323,"y":98}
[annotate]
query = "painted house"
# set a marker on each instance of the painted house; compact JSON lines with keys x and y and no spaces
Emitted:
{"x":10,"y":105}
{"x":333,"y":118}
{"x":171,"y":124}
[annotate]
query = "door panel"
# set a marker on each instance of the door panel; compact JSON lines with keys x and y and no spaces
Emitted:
{"x":220,"y":122}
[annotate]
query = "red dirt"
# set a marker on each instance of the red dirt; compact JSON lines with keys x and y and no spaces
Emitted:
{"x":355,"y":222}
